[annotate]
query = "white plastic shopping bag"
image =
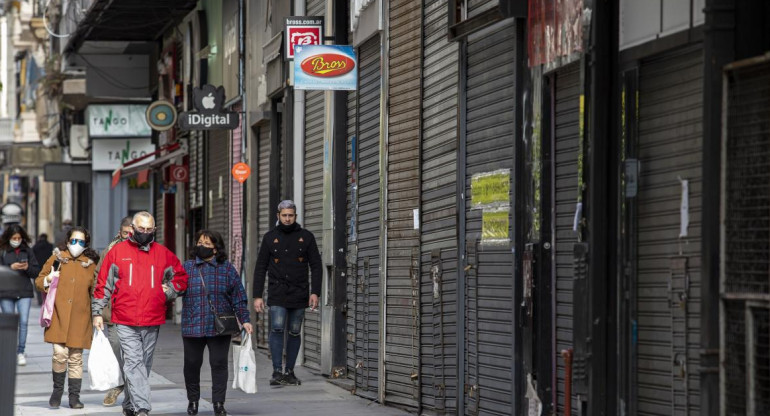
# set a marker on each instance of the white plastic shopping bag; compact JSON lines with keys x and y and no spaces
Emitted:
{"x":244,"y":366}
{"x":103,"y":367}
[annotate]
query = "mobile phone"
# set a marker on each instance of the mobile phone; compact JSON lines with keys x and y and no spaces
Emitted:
{"x":23,"y":260}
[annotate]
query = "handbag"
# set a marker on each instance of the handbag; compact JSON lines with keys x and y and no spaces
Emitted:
{"x":223,"y":324}
{"x":46,"y":312}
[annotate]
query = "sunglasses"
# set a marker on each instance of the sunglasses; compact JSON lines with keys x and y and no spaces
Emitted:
{"x":75,"y":241}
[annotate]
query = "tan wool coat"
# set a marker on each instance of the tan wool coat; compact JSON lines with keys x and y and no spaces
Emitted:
{"x":71,"y":321}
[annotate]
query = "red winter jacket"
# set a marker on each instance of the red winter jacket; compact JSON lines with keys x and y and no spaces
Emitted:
{"x":131,"y":279}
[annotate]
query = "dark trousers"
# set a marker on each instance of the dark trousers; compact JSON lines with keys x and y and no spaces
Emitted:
{"x":219,"y":348}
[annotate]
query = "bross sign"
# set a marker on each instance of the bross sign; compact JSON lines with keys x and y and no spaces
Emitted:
{"x":327,"y":65}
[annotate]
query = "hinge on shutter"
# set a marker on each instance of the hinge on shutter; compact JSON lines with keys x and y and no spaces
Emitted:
{"x":528,"y":267}
{"x":471,"y":254}
{"x":582,"y":319}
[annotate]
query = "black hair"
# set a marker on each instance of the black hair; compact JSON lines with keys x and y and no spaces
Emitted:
{"x":5,"y":239}
{"x":216,"y":239}
{"x":42,"y":237}
{"x":89,"y":252}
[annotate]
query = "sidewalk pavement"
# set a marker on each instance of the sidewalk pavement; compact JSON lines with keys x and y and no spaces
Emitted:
{"x":315,"y":396}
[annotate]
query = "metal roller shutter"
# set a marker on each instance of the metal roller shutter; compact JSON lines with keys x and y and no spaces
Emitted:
{"x":368,"y":221}
{"x":197,"y":166}
{"x":403,"y":242}
{"x":746,"y":237}
{"x":264,"y":215}
{"x":670,"y":149}
{"x":489,"y":284}
{"x":217,"y":209}
{"x":476,"y":7}
{"x":313,"y":193}
{"x":236,"y":215}
{"x":565,"y":190}
{"x":159,"y":211}
{"x":438,"y":214}
{"x":352,"y":206}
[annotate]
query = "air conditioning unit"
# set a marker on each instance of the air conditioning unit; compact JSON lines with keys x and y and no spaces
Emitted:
{"x":79,"y":141}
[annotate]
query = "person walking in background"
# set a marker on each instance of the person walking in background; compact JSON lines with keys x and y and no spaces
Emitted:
{"x":42,"y":250}
{"x":285,"y":255}
{"x":112,"y":333}
{"x":208,"y":265}
{"x":16,"y":254}
{"x":138,"y":277}
{"x":61,"y":235}
{"x":70,"y":330}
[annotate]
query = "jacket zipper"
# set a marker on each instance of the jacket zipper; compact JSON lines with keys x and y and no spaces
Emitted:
{"x":131,"y":274}
{"x":152,"y":277}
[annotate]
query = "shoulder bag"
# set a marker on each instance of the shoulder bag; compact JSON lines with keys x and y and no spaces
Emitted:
{"x":223,"y":324}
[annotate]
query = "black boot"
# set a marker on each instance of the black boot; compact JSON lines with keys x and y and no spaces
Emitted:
{"x":219,"y":409}
{"x":192,"y":408}
{"x":58,"y":389}
{"x":75,"y":384}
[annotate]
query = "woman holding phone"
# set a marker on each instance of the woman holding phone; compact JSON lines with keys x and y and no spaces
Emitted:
{"x":16,"y":254}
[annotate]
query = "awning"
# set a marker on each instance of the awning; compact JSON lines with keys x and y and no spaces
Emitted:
{"x":138,"y":165}
{"x":128,"y":20}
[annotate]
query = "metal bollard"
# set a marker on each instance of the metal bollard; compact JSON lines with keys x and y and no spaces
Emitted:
{"x":9,"y":326}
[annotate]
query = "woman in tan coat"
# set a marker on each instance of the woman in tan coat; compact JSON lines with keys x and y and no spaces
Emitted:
{"x":70,"y":331}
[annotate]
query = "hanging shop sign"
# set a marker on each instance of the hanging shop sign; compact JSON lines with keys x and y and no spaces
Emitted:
{"x":241,"y":172}
{"x":161,"y":115}
{"x":302,"y":30}
{"x":208,"y":101}
{"x":180,"y":173}
{"x":325,"y":67}
{"x":113,"y":153}
{"x":117,"y":120}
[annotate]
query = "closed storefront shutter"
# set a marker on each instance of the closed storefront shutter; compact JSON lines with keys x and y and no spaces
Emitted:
{"x":367,"y":299}
{"x":403,"y":240}
{"x":746,"y":237}
{"x":236,"y":200}
{"x":264,"y":215}
{"x":668,"y":268}
{"x":351,"y":216}
{"x":489,"y":282}
{"x":438,"y":214}
{"x":217,"y":209}
{"x":565,"y":182}
{"x":159,"y":211}
{"x":313,"y":193}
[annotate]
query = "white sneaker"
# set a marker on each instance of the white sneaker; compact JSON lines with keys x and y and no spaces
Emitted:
{"x":21,"y":359}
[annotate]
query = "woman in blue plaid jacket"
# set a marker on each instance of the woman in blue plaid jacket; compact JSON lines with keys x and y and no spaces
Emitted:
{"x":208,"y":265}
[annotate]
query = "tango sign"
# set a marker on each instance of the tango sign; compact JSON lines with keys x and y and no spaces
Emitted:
{"x":326,"y":67}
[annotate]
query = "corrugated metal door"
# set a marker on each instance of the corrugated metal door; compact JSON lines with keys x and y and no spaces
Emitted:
{"x":236,"y":199}
{"x":668,"y":269}
{"x":367,"y":299}
{"x":264,"y":215}
{"x":217,"y":210}
{"x":489,"y":283}
{"x":402,"y":297}
{"x":353,"y":298}
{"x":438,"y":214}
{"x":313,"y":193}
{"x":566,"y":134}
{"x":746,"y":236}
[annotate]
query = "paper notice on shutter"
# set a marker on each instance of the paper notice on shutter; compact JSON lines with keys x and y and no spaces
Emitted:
{"x":535,"y":406}
{"x":685,"y":208}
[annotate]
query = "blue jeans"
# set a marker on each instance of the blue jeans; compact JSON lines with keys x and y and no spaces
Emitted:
{"x":279,"y":318}
{"x":20,"y":306}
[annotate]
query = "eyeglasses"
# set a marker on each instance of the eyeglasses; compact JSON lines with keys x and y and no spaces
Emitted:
{"x":76,"y":241}
{"x":143,"y":229}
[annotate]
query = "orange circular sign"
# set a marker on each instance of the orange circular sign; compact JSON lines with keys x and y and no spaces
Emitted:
{"x":241,"y":172}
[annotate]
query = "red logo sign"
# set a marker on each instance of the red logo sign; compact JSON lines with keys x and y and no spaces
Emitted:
{"x":303,"y":35}
{"x":327,"y":65}
{"x":180,"y":173}
{"x":241,"y":172}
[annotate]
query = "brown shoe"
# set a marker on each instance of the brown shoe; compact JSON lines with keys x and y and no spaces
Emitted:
{"x":112,"y":396}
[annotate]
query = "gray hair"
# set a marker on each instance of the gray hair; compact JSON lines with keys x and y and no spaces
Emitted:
{"x":145,"y":215}
{"x":287,"y":204}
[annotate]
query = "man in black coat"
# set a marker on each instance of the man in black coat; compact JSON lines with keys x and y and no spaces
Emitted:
{"x":43,"y":250}
{"x":285,"y":255}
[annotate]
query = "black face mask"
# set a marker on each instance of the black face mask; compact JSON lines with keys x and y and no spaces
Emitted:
{"x":143,"y":238}
{"x":204,"y":252}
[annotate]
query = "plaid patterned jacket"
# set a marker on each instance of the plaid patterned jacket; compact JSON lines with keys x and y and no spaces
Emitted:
{"x":225,"y":290}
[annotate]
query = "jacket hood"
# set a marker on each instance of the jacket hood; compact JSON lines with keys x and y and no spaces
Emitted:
{"x":65,"y":257}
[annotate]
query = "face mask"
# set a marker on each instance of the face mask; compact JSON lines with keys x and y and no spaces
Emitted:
{"x":143,"y":238}
{"x":76,"y":250}
{"x":15,"y":244}
{"x":204,"y":252}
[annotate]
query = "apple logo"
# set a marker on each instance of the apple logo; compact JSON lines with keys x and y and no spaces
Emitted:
{"x":208,"y":101}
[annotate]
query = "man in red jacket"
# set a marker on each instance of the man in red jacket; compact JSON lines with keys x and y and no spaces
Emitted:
{"x":137,"y":278}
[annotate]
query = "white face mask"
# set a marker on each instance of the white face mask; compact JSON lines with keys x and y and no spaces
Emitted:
{"x":76,"y":250}
{"x":15,"y":244}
